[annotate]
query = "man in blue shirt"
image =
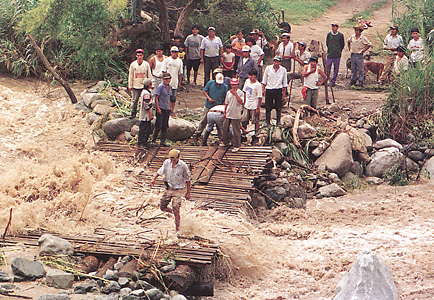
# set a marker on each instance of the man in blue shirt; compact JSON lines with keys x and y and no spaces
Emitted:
{"x":215,"y":92}
{"x":162,"y":103}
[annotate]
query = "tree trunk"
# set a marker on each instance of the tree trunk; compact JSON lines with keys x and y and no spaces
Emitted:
{"x":52,"y":71}
{"x":183,"y":17}
{"x":164,"y":20}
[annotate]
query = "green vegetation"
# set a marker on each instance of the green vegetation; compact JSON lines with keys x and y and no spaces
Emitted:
{"x":366,"y":14}
{"x":298,"y":11}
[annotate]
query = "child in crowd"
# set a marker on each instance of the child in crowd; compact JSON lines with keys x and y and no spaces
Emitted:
{"x":415,"y":46}
{"x":228,"y":61}
{"x":253,"y":97}
{"x":181,"y":56}
{"x":146,"y":115}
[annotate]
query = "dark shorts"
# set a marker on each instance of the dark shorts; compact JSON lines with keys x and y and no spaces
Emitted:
{"x":173,"y":97}
{"x":193,"y":63}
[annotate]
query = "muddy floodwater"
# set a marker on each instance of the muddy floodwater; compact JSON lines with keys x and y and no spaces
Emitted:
{"x":51,"y":176}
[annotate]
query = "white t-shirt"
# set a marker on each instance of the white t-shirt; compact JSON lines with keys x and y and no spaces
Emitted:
{"x":284,"y":51}
{"x":255,"y":53}
{"x":174,"y":68}
{"x":253,"y":93}
{"x":234,"y":108}
{"x":416,"y":48}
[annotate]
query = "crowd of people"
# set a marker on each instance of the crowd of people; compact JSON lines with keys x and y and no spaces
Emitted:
{"x":234,"y":92}
{"x":236,"y":81}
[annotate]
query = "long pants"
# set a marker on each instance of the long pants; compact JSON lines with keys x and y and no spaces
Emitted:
{"x":335,"y":62}
{"x":161,"y":123}
{"x":311,"y":97}
{"x":144,"y":132}
{"x":136,"y":96}
{"x":209,"y":64}
{"x":214,"y":117}
{"x":236,"y":138}
{"x":203,"y":121}
{"x":273,"y":100}
{"x":357,"y":65}
{"x":137,"y":6}
{"x":388,"y":66}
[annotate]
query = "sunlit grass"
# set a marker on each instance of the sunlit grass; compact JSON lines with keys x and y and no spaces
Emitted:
{"x":298,"y":11}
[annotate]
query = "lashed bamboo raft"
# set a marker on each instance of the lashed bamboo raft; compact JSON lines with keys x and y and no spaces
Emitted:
{"x":221,"y":179}
{"x":196,"y":254}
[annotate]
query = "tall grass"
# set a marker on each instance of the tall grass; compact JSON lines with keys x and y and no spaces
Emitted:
{"x":299,"y":11}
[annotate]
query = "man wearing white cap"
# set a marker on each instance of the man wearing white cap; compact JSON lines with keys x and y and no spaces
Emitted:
{"x":245,"y":64}
{"x":176,"y":177}
{"x":274,"y":83}
{"x":214,"y":92}
{"x":173,"y":65}
{"x":211,"y":49}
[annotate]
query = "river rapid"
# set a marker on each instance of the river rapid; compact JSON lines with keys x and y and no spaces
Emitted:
{"x":53,"y":179}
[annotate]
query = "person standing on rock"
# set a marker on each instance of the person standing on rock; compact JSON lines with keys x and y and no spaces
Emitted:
{"x":252,"y":108}
{"x":162,"y":104}
{"x":192,"y":53}
{"x":245,"y":64}
{"x":234,"y":104}
{"x":391,"y":43}
{"x":145,"y":115}
{"x":173,"y":65}
{"x":335,"y":44}
{"x":156,"y":64}
{"x":274,"y":83}
{"x":311,"y":84}
{"x":176,"y":178}
{"x":211,"y":50}
{"x":358,"y":44}
{"x":215,"y":93}
{"x":138,"y":72}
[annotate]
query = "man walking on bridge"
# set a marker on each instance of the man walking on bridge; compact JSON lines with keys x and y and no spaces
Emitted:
{"x":176,"y":177}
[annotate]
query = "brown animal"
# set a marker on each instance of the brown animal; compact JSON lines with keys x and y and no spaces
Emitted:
{"x":376,"y":68}
{"x":273,"y":44}
{"x":348,"y":64}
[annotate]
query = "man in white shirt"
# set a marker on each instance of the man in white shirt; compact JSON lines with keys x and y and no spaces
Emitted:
{"x":173,"y":66}
{"x":211,"y":49}
{"x":274,"y":83}
{"x":391,"y":43}
{"x":176,"y":177}
{"x":138,"y":72}
{"x":285,"y":51}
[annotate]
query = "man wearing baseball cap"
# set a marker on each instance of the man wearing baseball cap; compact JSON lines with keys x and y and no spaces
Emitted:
{"x":138,"y":72}
{"x":162,"y":105}
{"x":392,"y":41}
{"x":215,"y":93}
{"x":234,"y":104}
{"x":245,"y":64}
{"x":173,"y":65}
{"x":335,"y":44}
{"x":211,"y":49}
{"x":176,"y":177}
{"x":301,"y":56}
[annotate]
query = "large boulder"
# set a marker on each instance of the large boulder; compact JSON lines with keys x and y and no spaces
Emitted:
{"x":101,"y":109}
{"x":97,"y":87}
{"x":88,"y":98}
{"x":180,"y":129}
{"x":429,"y":167}
{"x":114,"y":128}
{"x":383,"y":160}
{"x":54,"y":297}
{"x":331,"y":190}
{"x":368,"y":279}
{"x":53,"y":245}
{"x":102,"y":102}
{"x":338,"y":157}
{"x":28,"y":269}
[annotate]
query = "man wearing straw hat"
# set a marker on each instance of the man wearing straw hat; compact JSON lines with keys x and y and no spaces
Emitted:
{"x":176,"y":177}
{"x":358,"y":44}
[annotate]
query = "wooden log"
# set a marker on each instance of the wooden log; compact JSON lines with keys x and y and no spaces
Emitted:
{"x":211,"y":166}
{"x":107,"y":266}
{"x":128,"y":269}
{"x":89,"y":264}
{"x":181,"y":278}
